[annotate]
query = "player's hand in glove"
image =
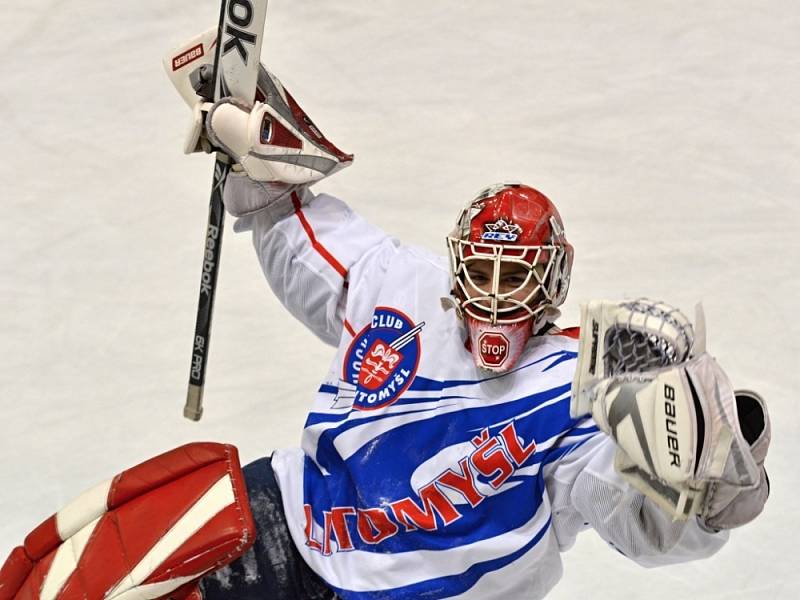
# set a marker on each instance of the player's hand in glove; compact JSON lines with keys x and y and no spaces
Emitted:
{"x":150,"y":532}
{"x":273,"y":142}
{"x":684,"y":437}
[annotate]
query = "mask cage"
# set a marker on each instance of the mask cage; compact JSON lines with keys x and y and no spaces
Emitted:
{"x":487,"y":304}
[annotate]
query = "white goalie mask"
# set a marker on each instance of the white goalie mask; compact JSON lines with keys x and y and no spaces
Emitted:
{"x":510,"y":262}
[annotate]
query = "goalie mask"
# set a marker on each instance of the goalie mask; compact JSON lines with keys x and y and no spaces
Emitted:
{"x":510,"y":262}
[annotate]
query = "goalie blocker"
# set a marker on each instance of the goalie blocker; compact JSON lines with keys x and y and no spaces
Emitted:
{"x":684,"y":437}
{"x":150,"y":532}
{"x":274,"y":144}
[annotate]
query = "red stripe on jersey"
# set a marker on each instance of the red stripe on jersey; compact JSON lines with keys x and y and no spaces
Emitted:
{"x":314,"y":243}
{"x":349,"y":328}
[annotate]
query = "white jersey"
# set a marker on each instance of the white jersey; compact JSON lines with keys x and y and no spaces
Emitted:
{"x":419,"y":474}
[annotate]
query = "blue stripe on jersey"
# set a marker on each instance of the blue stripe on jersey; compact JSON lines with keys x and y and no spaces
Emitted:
{"x":499,"y":412}
{"x":584,"y":430}
{"x":451,"y":585}
{"x":314,"y":418}
{"x":558,"y":452}
{"x":563,"y":358}
{"x":421,"y":399}
{"x":425,"y":384}
{"x":317,"y":418}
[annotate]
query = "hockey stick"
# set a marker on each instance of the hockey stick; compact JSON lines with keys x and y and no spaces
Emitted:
{"x":235,"y":71}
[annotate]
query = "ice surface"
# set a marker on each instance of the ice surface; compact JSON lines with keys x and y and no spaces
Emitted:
{"x":667,"y":132}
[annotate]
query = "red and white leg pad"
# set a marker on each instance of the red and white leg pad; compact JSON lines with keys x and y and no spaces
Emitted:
{"x":147,"y":533}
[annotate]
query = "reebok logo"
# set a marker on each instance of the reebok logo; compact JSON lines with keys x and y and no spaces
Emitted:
{"x":240,"y":15}
{"x":208,"y":259}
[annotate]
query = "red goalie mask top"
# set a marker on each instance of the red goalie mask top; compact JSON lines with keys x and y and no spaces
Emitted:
{"x":515,"y":215}
{"x":510,"y":260}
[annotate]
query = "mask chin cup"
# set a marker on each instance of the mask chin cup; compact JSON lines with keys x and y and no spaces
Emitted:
{"x":497,"y":348}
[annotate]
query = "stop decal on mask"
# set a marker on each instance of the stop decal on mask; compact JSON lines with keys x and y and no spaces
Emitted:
{"x":493,"y":348}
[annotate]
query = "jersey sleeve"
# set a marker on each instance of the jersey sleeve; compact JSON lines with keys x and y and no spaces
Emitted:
{"x":585,"y":491}
{"x":317,"y":258}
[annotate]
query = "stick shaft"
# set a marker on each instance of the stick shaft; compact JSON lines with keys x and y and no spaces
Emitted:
{"x":237,"y":54}
{"x":208,"y":287}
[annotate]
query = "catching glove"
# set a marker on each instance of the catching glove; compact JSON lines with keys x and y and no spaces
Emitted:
{"x":684,"y":437}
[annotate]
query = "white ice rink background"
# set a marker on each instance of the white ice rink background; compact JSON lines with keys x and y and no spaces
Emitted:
{"x":667,"y":132}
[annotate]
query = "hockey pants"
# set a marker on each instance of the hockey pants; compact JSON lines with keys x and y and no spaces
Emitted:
{"x":272,"y":568}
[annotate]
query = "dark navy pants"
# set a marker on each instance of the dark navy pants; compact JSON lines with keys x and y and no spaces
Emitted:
{"x":273,"y":568}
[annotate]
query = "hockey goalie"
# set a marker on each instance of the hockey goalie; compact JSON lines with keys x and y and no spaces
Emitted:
{"x":461,"y":439}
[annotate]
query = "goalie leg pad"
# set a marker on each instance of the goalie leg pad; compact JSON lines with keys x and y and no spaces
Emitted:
{"x":146,"y":533}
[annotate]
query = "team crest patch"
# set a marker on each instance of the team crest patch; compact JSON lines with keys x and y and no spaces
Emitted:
{"x":382,"y":359}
